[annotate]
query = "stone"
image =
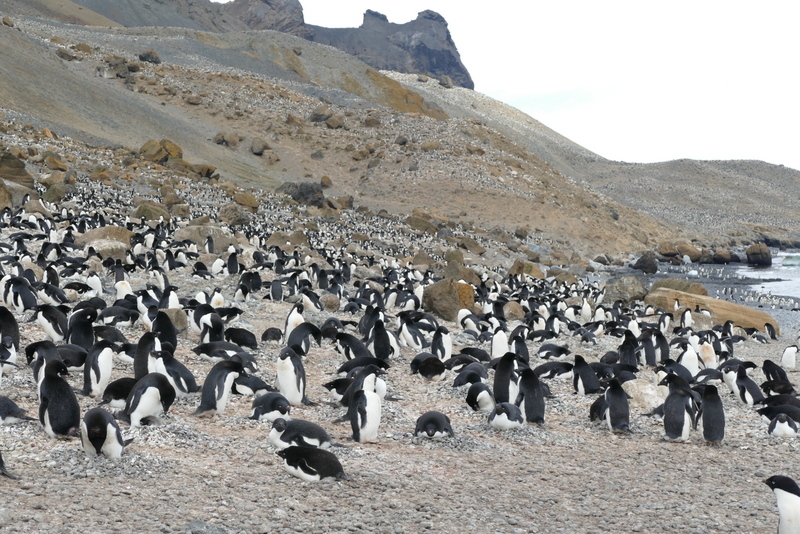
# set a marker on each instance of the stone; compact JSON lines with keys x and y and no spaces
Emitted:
{"x":54,"y":163}
{"x":150,"y":56}
{"x":194,"y":100}
{"x":83,"y":48}
{"x":153,"y":151}
{"x":198,"y":233}
{"x":685,"y":249}
{"x":178,"y":317}
{"x":231,"y":139}
{"x":320,"y":114}
{"x":401,"y":140}
{"x":307,"y":193}
{"x":65,"y":54}
{"x":759,"y":255}
{"x":446,"y":82}
{"x":372,"y":122}
{"x":345,"y":201}
{"x":721,"y":310}
{"x":258,"y":146}
{"x":513,"y":311}
{"x":526,"y":267}
{"x":647,"y":263}
{"x":13,"y":170}
{"x":427,"y":146}
{"x":696,"y":288}
{"x":325,"y":182}
{"x":293,"y":120}
{"x":330,"y":302}
{"x":18,"y":192}
{"x":724,"y":256}
{"x":626,"y":288}
{"x":203,"y":169}
{"x":181,"y":210}
{"x":361,"y":153}
{"x":234,"y":214}
{"x":446,"y":297}
{"x":668,"y":249}
{"x":458,"y":272}
{"x":335,"y":122}
{"x":6,"y":200}
{"x":172,"y":149}
{"x":247,"y":200}
{"x":55,"y":193}
{"x":645,"y":395}
{"x":421,"y":224}
{"x":107,"y":233}
{"x":295,"y":239}
{"x":8,"y":22}
{"x":151,"y":211}
{"x":475,"y":150}
{"x":470,"y":244}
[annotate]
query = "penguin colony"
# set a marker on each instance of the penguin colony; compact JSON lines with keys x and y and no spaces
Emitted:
{"x":121,"y":340}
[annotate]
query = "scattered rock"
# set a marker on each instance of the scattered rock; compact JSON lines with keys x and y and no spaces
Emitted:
{"x":6,"y":200}
{"x":688,"y":250}
{"x":306,"y":193}
{"x":13,"y":170}
{"x":526,"y":267}
{"x":234,"y":214}
{"x":334,"y":122}
{"x":55,"y":193}
{"x":150,"y":56}
{"x":320,"y":114}
{"x":200,"y":232}
{"x":258,"y":146}
{"x":65,"y":54}
{"x":151,"y":211}
{"x":647,"y":263}
{"x":446,"y":297}
{"x":759,"y":255}
{"x":325,"y":182}
{"x":695,"y":288}
{"x":446,"y":82}
{"x":8,"y":22}
{"x":427,"y":146}
{"x":420,"y":224}
{"x":247,"y":200}
{"x":625,"y":288}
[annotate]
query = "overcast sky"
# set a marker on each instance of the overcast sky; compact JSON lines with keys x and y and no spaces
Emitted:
{"x":633,"y":81}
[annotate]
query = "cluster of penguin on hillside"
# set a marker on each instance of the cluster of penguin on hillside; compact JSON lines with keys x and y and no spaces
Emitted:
{"x":81,"y":333}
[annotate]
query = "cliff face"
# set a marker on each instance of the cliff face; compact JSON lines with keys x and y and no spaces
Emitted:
{"x":423,"y":45}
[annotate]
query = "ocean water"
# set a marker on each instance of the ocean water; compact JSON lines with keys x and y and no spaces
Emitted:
{"x":782,"y":278}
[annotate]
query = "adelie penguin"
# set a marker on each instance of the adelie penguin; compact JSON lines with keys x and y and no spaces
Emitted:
{"x":270,"y":407}
{"x":530,"y":398}
{"x":480,"y":397}
{"x":584,"y":379}
{"x":506,"y":416}
{"x":788,"y":496}
{"x":311,"y":464}
{"x":782,"y":426}
{"x":97,"y":368}
{"x":618,"y":413}
{"x":217,"y":387}
{"x":364,"y":412}
{"x":100,"y":434}
{"x":59,"y":411}
{"x":10,"y":413}
{"x":290,"y":377}
{"x":4,"y":471}
{"x":712,"y":416}
{"x":150,"y":397}
{"x":296,"y":432}
{"x":433,"y":425}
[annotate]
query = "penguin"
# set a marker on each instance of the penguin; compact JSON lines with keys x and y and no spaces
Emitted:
{"x":782,"y":426}
{"x":618,"y":413}
{"x":59,"y":411}
{"x":97,"y":368}
{"x":773,"y":371}
{"x":10,"y":413}
{"x":271,"y":406}
{"x":242,"y":337}
{"x":116,"y":392}
{"x":351,"y":346}
{"x":554,"y":370}
{"x":52,"y":320}
{"x":299,"y":433}
{"x":384,"y":344}
{"x":747,"y":390}
{"x":301,"y":336}
{"x":167,"y":333}
{"x":4,"y":471}
{"x":217,"y":387}
{"x":712,"y":416}
{"x":499,"y":343}
{"x":506,"y":416}
{"x":505,"y":389}
{"x":100,"y":434}
{"x":789,"y":358}
{"x":442,"y":344}
{"x":290,"y":377}
{"x":364,"y":412}
{"x":251,"y":385}
{"x":8,"y":355}
{"x":433,"y":425}
{"x":311,"y":464}
{"x":293,"y":320}
{"x":150,"y":397}
{"x":431,"y":368}
{"x":480,"y":397}
{"x":9,"y":326}
{"x":530,"y":398}
{"x":788,"y":496}
{"x":679,"y":414}
{"x":584,"y":379}
{"x":181,"y":378}
{"x":355,"y":363}
{"x":79,"y":328}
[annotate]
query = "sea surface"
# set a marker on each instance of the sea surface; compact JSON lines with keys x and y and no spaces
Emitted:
{"x":782,"y":278}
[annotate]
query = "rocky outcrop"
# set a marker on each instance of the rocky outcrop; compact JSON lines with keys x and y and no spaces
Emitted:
{"x":759,"y":255}
{"x":422,"y":45}
{"x":446,"y":297}
{"x":279,"y":15}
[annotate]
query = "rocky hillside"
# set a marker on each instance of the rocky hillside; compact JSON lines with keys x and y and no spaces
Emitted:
{"x":422,"y":45}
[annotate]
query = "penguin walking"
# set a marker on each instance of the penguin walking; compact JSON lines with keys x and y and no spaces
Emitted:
{"x":59,"y":411}
{"x":100,"y":434}
{"x":433,"y":425}
{"x":296,"y":432}
{"x":311,"y":464}
{"x":364,"y":413}
{"x":217,"y":387}
{"x":290,"y":377}
{"x":712,"y":416}
{"x":271,"y":406}
{"x":788,"y":496}
{"x":618,"y":412}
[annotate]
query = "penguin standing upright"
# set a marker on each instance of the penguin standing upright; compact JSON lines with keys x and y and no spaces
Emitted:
{"x":59,"y":411}
{"x":679,"y":414}
{"x":788,"y":496}
{"x":364,"y":413}
{"x":8,"y":355}
{"x":618,"y":413}
{"x":79,"y":328}
{"x":442,"y":344}
{"x":712,"y":416}
{"x":217,"y":386}
{"x":100,"y":434}
{"x":97,"y":368}
{"x":290,"y":378}
{"x":584,"y":379}
{"x":293,"y":320}
{"x":505,"y":389}
{"x":789,"y":357}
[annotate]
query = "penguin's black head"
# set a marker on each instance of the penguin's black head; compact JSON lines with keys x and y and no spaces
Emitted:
{"x":780,"y":482}
{"x":8,"y":342}
{"x":279,"y":424}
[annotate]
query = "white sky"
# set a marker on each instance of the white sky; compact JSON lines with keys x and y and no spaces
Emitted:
{"x":631,"y":80}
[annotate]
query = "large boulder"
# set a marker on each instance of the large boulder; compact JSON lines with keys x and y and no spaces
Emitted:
{"x":446,"y":297}
{"x":679,"y":284}
{"x":307,"y":193}
{"x":759,"y":255}
{"x":6,"y":200}
{"x":721,"y":310}
{"x":200,"y":232}
{"x":526,"y":267}
{"x":644,"y":394}
{"x":647,"y":263}
{"x":13,"y":170}
{"x":151,"y":211}
{"x":107,"y":241}
{"x":625,"y":288}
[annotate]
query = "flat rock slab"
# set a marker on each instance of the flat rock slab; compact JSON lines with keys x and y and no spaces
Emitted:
{"x":721,"y":310}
